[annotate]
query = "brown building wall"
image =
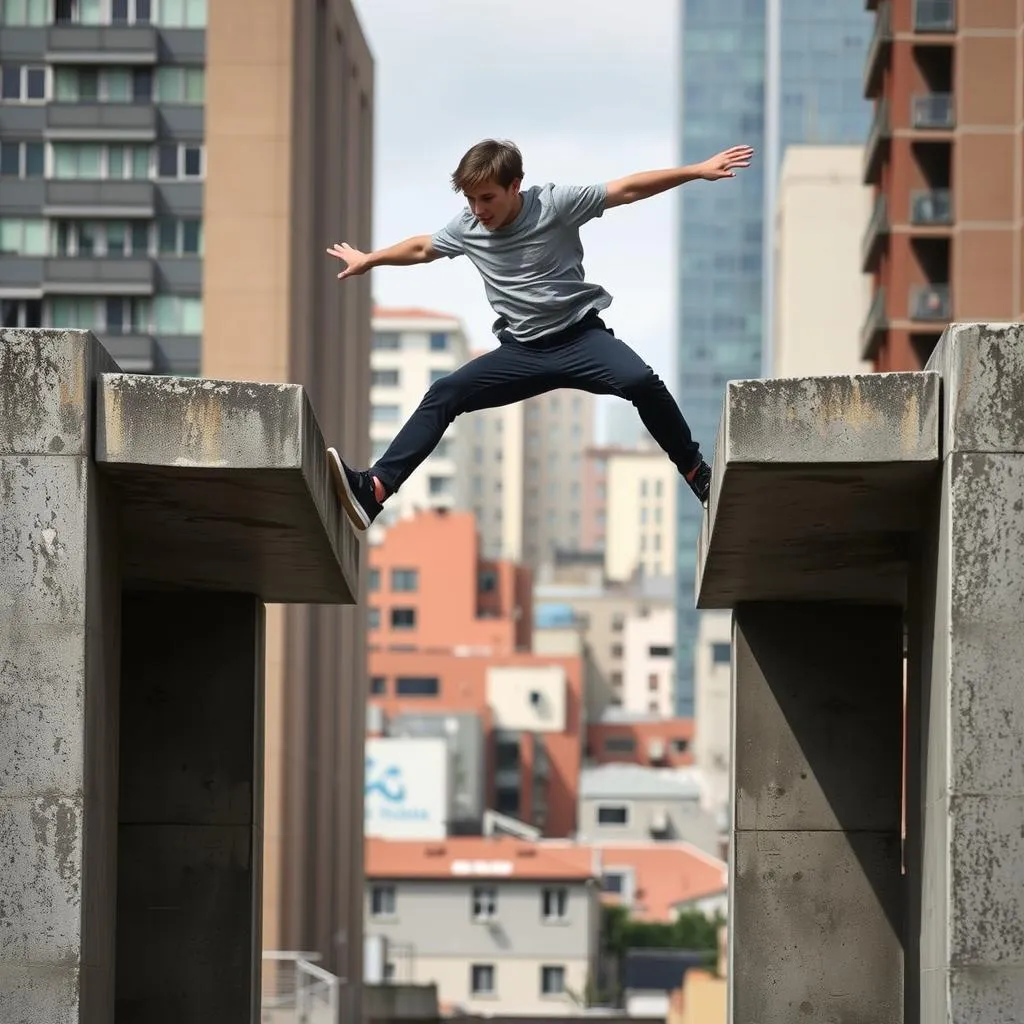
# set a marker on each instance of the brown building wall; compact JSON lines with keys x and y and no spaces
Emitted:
{"x":289,"y":162}
{"x":979,"y":158}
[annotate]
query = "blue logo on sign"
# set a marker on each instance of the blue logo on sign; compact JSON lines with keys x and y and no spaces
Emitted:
{"x":388,"y":782}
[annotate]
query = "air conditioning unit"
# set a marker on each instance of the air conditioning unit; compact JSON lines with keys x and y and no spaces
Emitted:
{"x":659,"y":823}
{"x":655,"y":749}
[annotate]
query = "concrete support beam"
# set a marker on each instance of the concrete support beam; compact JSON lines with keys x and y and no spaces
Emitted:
{"x":816,"y":918}
{"x":966,"y":708}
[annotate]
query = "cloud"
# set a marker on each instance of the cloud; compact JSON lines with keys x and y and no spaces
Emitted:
{"x":588,"y":91}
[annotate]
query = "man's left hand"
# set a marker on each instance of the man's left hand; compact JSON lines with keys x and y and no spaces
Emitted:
{"x":726,"y":163}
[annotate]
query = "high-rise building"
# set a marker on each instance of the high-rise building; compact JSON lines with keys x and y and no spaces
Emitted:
{"x":413,"y":348}
{"x":767,"y":73}
{"x":171,"y":172}
{"x":944,"y":154}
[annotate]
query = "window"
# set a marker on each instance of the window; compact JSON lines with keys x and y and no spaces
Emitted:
{"x":485,"y":903}
{"x":616,"y":650}
{"x":373,"y":580}
{"x":22,"y":83}
{"x":182,"y":14}
{"x":103,"y":85}
{"x":385,"y":378}
{"x":403,"y":618}
{"x":21,"y":313}
{"x":179,"y":160}
{"x":721,"y":653}
{"x":487,"y":581}
{"x":385,"y":413}
{"x":378,"y":685}
{"x":554,"y":903}
{"x":24,"y":236}
{"x":619,"y":745}
{"x":613,"y":814}
{"x":387,"y":341}
{"x":436,"y":375}
{"x":680,"y":746}
{"x":443,"y":449}
{"x":439,"y":486}
{"x":613,"y":882}
{"x":618,"y":621}
{"x":382,"y":901}
{"x":81,"y":314}
{"x":652,"y":681}
{"x":417,"y":686}
{"x":658,"y":651}
{"x":180,"y":236}
{"x":481,"y":979}
{"x":438,"y":341}
{"x":179,"y":85}
{"x":177,"y":314}
{"x":21,"y":159}
{"x":98,"y":238}
{"x":24,"y":12}
{"x":124,"y":12}
{"x":405,"y":580}
{"x":552,"y":980}
{"x":92,"y":161}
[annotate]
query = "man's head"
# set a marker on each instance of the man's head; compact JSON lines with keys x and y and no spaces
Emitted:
{"x":489,"y":176}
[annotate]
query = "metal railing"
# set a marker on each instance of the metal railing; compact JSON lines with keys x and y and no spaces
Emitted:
{"x":935,"y":16}
{"x":297,"y":991}
{"x":931,"y":206}
{"x":934,"y":111}
{"x":881,"y":35}
{"x":878,"y":223}
{"x":874,"y":322}
{"x":930,"y":302}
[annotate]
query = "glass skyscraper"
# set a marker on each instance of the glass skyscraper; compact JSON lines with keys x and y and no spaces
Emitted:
{"x":765,"y":73}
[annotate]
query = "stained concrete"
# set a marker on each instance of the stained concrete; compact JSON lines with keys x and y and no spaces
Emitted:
{"x":130,"y":815}
{"x":224,"y":486}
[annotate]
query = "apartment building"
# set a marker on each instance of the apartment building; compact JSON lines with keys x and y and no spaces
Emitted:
{"x":170,"y":174}
{"x":944,"y":157}
{"x":621,"y":737}
{"x":102,"y":162}
{"x":413,"y":349}
{"x":650,"y":670}
{"x":520,"y":921}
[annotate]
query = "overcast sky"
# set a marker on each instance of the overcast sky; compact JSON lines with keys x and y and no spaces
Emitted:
{"x":587,"y":89}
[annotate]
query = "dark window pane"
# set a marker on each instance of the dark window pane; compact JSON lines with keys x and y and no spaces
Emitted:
{"x":115,"y":316}
{"x":416,"y":686}
{"x":8,"y":313}
{"x":168,"y":236}
{"x":36,"y":83}
{"x":33,"y":312}
{"x":88,"y":84}
{"x":190,"y":236}
{"x":33,"y":159}
{"x":143,"y":11}
{"x":140,"y":238}
{"x":192,"y":161}
{"x":168,"y":162}
{"x":10,"y":82}
{"x":142,"y":85}
{"x":9,"y":153}
{"x":62,"y":10}
{"x":119,"y":12}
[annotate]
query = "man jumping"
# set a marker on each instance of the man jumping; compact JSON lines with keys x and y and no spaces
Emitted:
{"x":526,"y":247}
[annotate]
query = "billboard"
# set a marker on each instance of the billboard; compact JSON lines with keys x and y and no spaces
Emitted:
{"x":407,"y":788}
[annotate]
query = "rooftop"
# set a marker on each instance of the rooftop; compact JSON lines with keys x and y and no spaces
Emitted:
{"x":410,"y":313}
{"x":635,"y":780}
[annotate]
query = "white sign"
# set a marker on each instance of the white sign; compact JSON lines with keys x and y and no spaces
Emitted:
{"x":407,"y":788}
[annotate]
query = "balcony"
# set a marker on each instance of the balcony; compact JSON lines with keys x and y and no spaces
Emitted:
{"x":879,"y":133}
{"x":111,"y":122}
{"x":878,"y":48}
{"x":930,"y":302}
{"x":935,"y":16}
{"x":877,"y":230}
{"x":101,"y":44}
{"x":92,"y":275}
{"x":931,"y":207}
{"x":933,"y":112}
{"x":875,"y":325}
{"x":133,"y":353}
{"x":99,"y":199}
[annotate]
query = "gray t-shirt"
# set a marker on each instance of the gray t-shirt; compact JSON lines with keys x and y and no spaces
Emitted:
{"x":533,"y":269}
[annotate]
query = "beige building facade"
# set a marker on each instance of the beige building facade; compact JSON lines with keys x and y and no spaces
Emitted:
{"x":289,"y":142}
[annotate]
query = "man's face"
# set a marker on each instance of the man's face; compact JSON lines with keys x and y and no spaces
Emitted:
{"x":494,"y":206}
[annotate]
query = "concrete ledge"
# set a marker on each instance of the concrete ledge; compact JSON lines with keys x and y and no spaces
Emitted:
{"x":224,"y":486}
{"x":817,"y":487}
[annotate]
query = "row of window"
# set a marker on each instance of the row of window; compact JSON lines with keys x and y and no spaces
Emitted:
{"x":163,"y":314}
{"x":391,"y":341}
{"x":171,"y":236}
{"x":162,"y":13}
{"x":168,"y":84}
{"x":91,"y":161}
{"x":392,"y":378}
{"x":627,"y":744}
{"x":400,"y":618}
{"x":554,"y":902}
{"x":407,"y":686}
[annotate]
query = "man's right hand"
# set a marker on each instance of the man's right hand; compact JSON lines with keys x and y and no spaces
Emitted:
{"x":356,"y":262}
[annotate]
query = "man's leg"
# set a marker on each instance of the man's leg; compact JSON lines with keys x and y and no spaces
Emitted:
{"x":600,"y":363}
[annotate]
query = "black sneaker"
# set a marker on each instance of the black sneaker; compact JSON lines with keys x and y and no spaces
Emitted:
{"x":700,"y":482}
{"x":355,"y":490}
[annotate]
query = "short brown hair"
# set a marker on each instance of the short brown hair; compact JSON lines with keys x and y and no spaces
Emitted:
{"x":489,"y":160}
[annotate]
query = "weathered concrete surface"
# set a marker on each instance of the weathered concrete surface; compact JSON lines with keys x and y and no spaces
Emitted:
{"x":224,"y":485}
{"x":816,"y":920}
{"x":59,"y":621}
{"x":817,"y":489}
{"x":190,"y":833}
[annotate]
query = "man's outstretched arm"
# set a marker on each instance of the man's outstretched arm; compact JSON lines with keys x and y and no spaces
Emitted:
{"x":418,"y":249}
{"x":651,"y":183}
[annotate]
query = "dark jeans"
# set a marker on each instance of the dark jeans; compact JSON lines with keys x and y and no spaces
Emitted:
{"x":586,"y":357}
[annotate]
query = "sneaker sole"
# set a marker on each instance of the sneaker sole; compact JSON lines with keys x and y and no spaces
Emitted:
{"x":353,"y":509}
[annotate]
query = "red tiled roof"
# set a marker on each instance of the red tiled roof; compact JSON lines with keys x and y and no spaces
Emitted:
{"x":410,"y":313}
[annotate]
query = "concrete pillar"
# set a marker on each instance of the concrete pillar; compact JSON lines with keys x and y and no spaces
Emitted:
{"x":815,"y":890}
{"x":190,"y":840}
{"x":59,"y":630}
{"x":968,"y":675}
